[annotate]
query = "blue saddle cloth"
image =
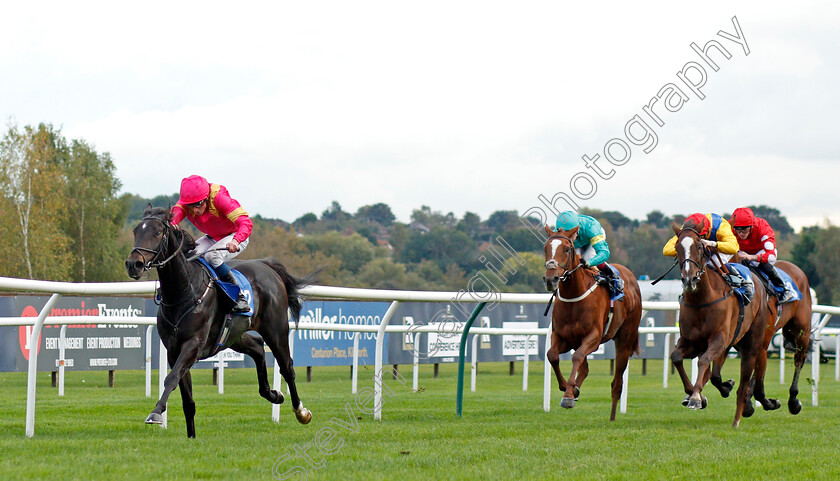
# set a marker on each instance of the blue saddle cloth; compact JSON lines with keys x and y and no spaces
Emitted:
{"x":617,"y":288}
{"x":740,"y":291}
{"x":231,"y":290}
{"x":780,"y":290}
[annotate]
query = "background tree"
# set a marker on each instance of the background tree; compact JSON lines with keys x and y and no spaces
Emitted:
{"x":32,"y":179}
{"x":95,"y":222}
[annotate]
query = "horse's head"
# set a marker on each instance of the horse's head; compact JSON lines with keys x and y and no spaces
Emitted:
{"x":156,"y":242}
{"x":560,"y":256}
{"x":691,"y":254}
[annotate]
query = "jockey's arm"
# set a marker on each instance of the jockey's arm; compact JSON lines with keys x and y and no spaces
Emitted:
{"x":670,"y":248}
{"x":602,"y":251}
{"x":727,"y":243}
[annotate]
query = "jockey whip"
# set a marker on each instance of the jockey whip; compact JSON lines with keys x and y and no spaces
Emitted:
{"x":676,"y":261}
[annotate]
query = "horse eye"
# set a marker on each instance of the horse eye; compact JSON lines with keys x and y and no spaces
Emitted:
{"x":158,"y":233}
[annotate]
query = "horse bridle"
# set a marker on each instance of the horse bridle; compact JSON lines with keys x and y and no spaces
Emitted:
{"x":552,"y":264}
{"x":701,"y":266}
{"x":154,"y":262}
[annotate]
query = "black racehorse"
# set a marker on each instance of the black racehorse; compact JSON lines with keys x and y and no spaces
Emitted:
{"x":192,"y":312}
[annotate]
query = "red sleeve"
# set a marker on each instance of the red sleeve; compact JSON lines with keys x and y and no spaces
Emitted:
{"x":768,"y":241}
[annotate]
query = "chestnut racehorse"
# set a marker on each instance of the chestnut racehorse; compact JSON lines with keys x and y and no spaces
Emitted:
{"x":584,"y":317}
{"x":794,"y":320}
{"x":711,"y":323}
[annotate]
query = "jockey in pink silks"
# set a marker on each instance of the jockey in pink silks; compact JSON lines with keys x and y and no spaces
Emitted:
{"x":225,"y":224}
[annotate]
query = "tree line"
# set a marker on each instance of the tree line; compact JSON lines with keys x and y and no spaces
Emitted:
{"x":63,"y":219}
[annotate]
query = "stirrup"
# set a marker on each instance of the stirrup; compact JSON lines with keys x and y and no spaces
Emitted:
{"x":241,"y":305}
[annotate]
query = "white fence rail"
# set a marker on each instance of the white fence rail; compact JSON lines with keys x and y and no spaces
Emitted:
{"x":147,"y":288}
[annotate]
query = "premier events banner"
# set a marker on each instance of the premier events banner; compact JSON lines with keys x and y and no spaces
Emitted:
{"x":101,"y":346}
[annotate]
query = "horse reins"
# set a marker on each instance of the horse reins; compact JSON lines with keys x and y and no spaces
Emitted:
{"x":707,"y":254}
{"x":153,"y":263}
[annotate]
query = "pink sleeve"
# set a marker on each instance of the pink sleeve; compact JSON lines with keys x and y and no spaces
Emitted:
{"x":234,"y":212}
{"x":178,"y":214}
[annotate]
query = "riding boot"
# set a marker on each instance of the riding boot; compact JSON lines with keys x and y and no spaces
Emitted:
{"x":736,"y":280}
{"x":241,"y":302}
{"x":773,"y":274}
{"x":614,"y":283}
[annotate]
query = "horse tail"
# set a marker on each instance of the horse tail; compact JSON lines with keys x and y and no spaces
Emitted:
{"x":293,"y":285}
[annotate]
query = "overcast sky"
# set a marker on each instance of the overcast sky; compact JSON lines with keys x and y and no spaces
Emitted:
{"x":461,"y":106}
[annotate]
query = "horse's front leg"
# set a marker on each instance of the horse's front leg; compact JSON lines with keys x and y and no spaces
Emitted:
{"x":717,"y":348}
{"x":683,"y":350}
{"x":579,"y":368}
{"x":553,"y":357}
{"x":181,"y":361}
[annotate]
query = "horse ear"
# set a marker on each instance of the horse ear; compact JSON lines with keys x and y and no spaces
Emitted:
{"x":169,"y":212}
{"x":548,"y":230}
{"x":573,"y":232}
{"x":675,"y":227}
{"x":148,"y":209}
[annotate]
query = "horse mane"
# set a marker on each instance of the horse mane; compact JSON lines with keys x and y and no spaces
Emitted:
{"x":293,"y":284}
{"x":182,"y":237}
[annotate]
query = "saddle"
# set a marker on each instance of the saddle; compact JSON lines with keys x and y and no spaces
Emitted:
{"x":777,"y":291}
{"x":740,"y":280}
{"x":231,"y":292}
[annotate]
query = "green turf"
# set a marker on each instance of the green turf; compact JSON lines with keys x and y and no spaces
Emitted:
{"x":96,"y":432}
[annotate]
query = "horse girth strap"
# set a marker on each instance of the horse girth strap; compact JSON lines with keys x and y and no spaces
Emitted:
{"x":737,"y":327}
{"x":700,"y":306}
{"x":580,"y":297}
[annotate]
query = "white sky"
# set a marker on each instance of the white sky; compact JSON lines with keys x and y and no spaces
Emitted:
{"x":461,"y":106}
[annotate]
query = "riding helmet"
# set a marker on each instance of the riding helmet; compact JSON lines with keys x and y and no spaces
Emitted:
{"x":194,"y":188}
{"x":567,"y":221}
{"x":742,"y":217}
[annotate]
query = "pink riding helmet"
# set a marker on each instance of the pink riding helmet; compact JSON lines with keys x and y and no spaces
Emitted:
{"x":193,"y":189}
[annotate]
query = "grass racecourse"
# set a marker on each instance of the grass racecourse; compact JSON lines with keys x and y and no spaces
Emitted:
{"x":97,"y":432}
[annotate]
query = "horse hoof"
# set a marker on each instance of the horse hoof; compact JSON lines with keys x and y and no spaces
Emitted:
{"x":685,"y":401}
{"x":276,"y":397}
{"x":749,"y":409}
{"x":726,"y":388}
{"x":694,"y":404}
{"x":794,"y":406}
{"x":577,"y":393}
{"x":154,"y":418}
{"x":303,"y":415}
{"x":567,"y":403}
{"x":771,"y":404}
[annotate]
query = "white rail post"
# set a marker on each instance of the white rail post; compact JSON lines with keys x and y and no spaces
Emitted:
{"x":149,"y":361}
{"x":220,"y":365}
{"x":34,"y":343}
{"x":694,"y":363}
{"x":278,"y":386}
{"x":526,"y":362}
{"x":836,"y":357}
{"x":665,"y":360}
{"x":547,"y":373}
{"x":355,"y":385}
{"x":415,"y":385}
{"x":162,"y":369}
{"x":474,"y":363}
{"x":377,"y":375}
{"x":815,"y":374}
{"x":625,"y":386}
{"x":62,"y":343}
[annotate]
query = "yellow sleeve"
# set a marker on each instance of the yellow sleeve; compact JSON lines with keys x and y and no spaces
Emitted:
{"x":727,"y":243}
{"x":670,"y":248}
